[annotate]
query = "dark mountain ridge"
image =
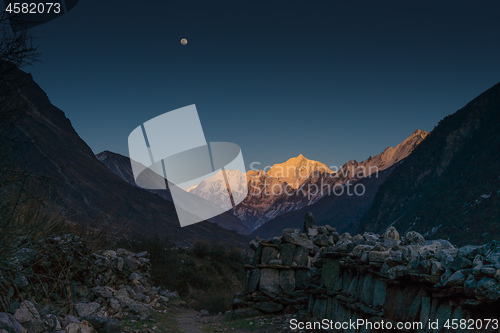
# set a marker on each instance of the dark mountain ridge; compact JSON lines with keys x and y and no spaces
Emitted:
{"x":448,"y":187}
{"x":121,"y":167}
{"x":81,"y":187}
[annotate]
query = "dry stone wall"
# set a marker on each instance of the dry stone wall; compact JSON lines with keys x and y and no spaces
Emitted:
{"x":387,"y":277}
{"x":281,"y":270}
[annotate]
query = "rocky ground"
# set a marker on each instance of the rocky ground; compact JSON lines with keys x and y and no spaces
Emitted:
{"x":59,"y":285}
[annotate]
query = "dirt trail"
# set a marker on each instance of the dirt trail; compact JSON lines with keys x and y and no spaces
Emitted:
{"x":189,"y":321}
{"x":181,"y":319}
{"x":184,"y":320}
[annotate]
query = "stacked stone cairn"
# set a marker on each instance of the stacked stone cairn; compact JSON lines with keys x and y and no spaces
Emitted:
{"x":60,"y":285}
{"x":321,"y":274}
{"x":282,"y":267}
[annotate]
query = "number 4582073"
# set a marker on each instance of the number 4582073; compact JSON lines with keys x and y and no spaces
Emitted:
{"x":33,"y":8}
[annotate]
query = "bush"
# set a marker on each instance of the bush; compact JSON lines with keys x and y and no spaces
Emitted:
{"x":206,"y":275}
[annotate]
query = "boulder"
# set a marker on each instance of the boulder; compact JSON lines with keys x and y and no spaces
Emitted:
{"x":140,"y":309}
{"x":460,"y":262}
{"x":392,"y":233}
{"x":287,"y":281}
{"x":395,"y":259}
{"x":330,"y":273}
{"x":86,"y":309}
{"x":268,"y":254}
{"x":487,"y":289}
{"x":470,"y":285}
{"x":96,"y":322}
{"x":253,"y":281}
{"x":323,"y":230}
{"x":83,"y":327}
{"x":302,"y":278}
{"x":468,"y":251}
{"x":335,"y":237}
{"x":309,"y":222}
{"x":118,"y":263}
{"x":269,"y":282}
{"x":135,"y":276}
{"x":379,"y":293}
{"x":122,"y":295}
{"x":437,"y":268}
{"x":330,"y":228}
{"x":369,"y":238}
{"x":113,"y":305}
{"x":109,"y":254}
{"x":27,"y":313}
{"x":397,"y":272}
{"x":169,"y":294}
{"x":300,"y":240}
{"x":104,"y":292}
{"x":345,"y":245}
{"x":360,"y":249}
{"x":321,"y":240}
{"x":301,"y":256}
{"x":456,"y":279}
{"x":254,"y":243}
{"x":493,"y":259}
{"x":112,"y":326}
{"x":488,"y":270}
{"x":311,"y":232}
{"x":69,"y":319}
{"x":378,"y":256}
{"x":257,"y":256}
{"x":446,"y":256}
{"x":287,"y":251}
{"x":9,"y":324}
{"x":409,"y":254}
{"x":430,"y":248}
{"x":50,"y":323}
{"x":423,"y":267}
{"x":414,"y":238}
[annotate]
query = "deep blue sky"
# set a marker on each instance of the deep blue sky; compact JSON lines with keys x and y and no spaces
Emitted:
{"x":333,"y":80}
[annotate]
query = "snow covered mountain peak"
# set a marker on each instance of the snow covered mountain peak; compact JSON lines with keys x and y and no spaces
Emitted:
{"x":297,"y":169}
{"x":214,"y":189}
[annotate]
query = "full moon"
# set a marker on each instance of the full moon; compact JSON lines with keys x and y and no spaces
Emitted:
{"x":184,"y":41}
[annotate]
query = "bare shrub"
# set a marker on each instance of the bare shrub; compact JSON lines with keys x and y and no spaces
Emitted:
{"x":205,"y":275}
